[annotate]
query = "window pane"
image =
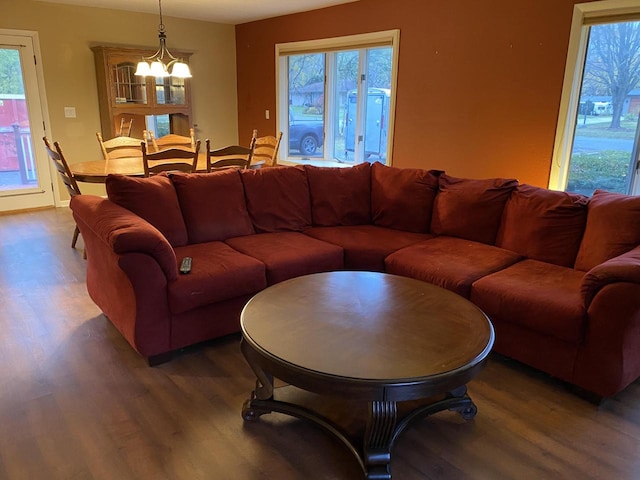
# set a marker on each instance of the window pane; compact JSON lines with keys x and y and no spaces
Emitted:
{"x":17,"y":162}
{"x":160,"y":125}
{"x":128,"y":87}
{"x":170,"y":91}
{"x":345,"y":113}
{"x":377,"y":109}
{"x":306,"y":105}
{"x":607,"y":120}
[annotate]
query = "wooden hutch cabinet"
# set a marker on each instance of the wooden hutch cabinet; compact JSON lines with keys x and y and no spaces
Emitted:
{"x":123,"y":96}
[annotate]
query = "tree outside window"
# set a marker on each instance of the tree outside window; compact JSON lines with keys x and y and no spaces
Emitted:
{"x":607,"y":121}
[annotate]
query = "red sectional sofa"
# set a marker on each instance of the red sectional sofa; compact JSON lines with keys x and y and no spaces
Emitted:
{"x":557,"y":273}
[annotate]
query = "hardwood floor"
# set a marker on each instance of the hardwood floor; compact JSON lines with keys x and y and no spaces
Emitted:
{"x":76,"y":402}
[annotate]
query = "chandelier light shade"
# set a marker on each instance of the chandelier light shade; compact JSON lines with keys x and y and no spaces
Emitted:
{"x":162,"y":63}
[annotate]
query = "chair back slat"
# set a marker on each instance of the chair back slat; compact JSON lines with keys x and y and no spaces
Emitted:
{"x":61,"y":166}
{"x":170,"y":141}
{"x":125,"y":128}
{"x":233,"y":156}
{"x":119,"y":147}
{"x":267,"y":148}
{"x":168,"y":159}
{"x":57,"y":157}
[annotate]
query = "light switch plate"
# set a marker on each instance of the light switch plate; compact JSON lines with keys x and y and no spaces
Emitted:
{"x":69,"y":112}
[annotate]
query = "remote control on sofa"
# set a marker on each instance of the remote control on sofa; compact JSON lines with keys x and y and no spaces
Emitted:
{"x":185,"y":266}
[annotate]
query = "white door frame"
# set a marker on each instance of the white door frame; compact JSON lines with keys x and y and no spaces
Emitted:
{"x":45,"y":193}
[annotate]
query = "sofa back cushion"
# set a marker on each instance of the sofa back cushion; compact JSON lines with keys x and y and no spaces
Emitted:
{"x":340,"y":196}
{"x":153,"y":199}
{"x":613,"y":228}
{"x":278,"y":198}
{"x":402,"y":198}
{"x":543,"y":224}
{"x":470,"y":208}
{"x":213,"y":205}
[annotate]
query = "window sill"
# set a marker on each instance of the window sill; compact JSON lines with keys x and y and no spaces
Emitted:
{"x":316,"y":162}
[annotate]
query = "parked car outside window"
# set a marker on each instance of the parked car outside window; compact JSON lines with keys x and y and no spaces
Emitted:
{"x":305,"y":134}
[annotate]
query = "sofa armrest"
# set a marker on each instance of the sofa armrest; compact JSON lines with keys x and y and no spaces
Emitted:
{"x":623,"y":268}
{"x":123,"y":231}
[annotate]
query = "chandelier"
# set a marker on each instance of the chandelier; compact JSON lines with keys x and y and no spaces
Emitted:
{"x":155,"y":66}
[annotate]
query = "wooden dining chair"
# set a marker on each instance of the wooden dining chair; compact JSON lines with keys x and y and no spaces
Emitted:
{"x":169,"y":160}
{"x":146,"y":138}
{"x":119,"y":147}
{"x":66,"y":175}
{"x":266,"y":150}
{"x":125,"y":128}
{"x":172,"y":140}
{"x":233,"y":156}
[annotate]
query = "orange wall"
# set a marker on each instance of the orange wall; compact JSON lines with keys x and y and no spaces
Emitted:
{"x":479,"y":82}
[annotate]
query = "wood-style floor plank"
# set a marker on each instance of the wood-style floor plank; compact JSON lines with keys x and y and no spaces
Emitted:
{"x":76,"y":402}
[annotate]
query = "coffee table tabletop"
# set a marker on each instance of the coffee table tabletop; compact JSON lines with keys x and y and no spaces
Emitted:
{"x":364,"y":336}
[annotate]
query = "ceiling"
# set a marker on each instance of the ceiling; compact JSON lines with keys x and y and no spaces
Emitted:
{"x":219,"y":11}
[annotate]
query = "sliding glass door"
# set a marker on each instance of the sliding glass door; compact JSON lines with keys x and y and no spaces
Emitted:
{"x":25,"y":180}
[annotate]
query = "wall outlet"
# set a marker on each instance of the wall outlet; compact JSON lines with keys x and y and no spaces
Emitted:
{"x":266,"y":114}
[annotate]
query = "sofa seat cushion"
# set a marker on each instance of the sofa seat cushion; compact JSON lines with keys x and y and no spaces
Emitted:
{"x":213,"y":205}
{"x":277,"y":199}
{"x":366,"y":246}
{"x":537,"y":295}
{"x":449,"y":262}
{"x":402,"y":198}
{"x":289,"y":254}
{"x":218,"y":272}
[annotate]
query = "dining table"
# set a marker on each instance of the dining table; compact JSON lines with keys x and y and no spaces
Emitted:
{"x":96,"y":171}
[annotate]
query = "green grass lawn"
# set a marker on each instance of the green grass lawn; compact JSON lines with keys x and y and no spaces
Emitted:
{"x":607,"y":170}
{"x":601,"y":129}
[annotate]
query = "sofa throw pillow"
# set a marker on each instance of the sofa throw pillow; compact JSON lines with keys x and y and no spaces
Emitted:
{"x":153,"y":199}
{"x":278,"y":198}
{"x":213,"y":205}
{"x":543,"y":224}
{"x":402,"y":198}
{"x":340,"y":196}
{"x":613,"y":228}
{"x":469,"y":208}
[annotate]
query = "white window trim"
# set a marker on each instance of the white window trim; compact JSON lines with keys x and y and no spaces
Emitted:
{"x":576,"y":53}
{"x":391,"y":37}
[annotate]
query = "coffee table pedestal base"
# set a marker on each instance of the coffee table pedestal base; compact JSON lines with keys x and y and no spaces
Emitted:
{"x":382,"y":429}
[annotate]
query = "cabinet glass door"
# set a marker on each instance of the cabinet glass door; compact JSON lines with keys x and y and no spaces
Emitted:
{"x":170,"y":91}
{"x":129,"y":89}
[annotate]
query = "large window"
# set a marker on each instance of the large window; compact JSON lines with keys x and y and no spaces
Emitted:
{"x":336,"y":98}
{"x":597,"y":143}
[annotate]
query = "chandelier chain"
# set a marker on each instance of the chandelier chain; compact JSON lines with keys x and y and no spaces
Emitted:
{"x":161,"y":26}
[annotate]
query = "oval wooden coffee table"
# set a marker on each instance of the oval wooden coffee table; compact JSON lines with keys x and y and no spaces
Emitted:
{"x":364,"y":336}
